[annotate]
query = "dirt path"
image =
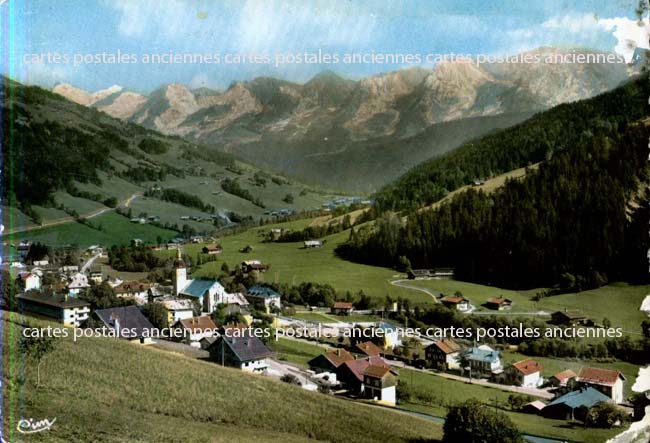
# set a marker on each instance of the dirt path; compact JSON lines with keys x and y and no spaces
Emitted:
{"x":402,"y":284}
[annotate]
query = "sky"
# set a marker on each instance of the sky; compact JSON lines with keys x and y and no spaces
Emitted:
{"x":279,"y":30}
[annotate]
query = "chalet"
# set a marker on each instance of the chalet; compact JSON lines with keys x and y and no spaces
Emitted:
{"x":127,"y":322}
{"x":254,"y":265}
{"x":563,"y":378}
{"x":534,"y":407}
{"x":133,"y":290}
{"x":498,"y":304}
{"x":68,"y":310}
{"x":609,"y":382}
{"x":177,"y":308}
{"x":329,"y":361}
{"x":78,"y":283}
{"x":379,"y":382}
{"x":342,"y":308}
{"x":350,"y":373}
{"x":574,"y":405}
{"x":456,"y":302}
{"x":195,"y":328}
{"x":483,"y":360}
{"x":368,"y":349}
{"x":569,"y":318}
{"x":28,"y":281}
{"x":528,"y":373}
{"x":443,"y":354}
{"x":313,"y":244}
{"x":247,"y":353}
{"x":263,"y":296}
{"x":212,"y":250}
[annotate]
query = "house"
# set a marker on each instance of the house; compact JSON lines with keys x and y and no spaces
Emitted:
{"x":329,"y":361}
{"x":608,"y":381}
{"x":212,"y":250}
{"x":569,"y":318}
{"x":379,"y":382}
{"x":534,"y":407}
{"x":528,"y":373}
{"x":195,"y":328}
{"x":574,"y":405}
{"x":563,"y":378}
{"x":127,"y":322}
{"x":78,"y":283}
{"x":263,"y":296}
{"x":177,"y":308}
{"x":342,"y":308}
{"x":253,"y":265}
{"x":247,"y":352}
{"x":28,"y":281}
{"x":134,"y":290}
{"x":95,"y":275}
{"x":443,"y":354}
{"x":196,"y":239}
{"x":483,"y":360}
{"x":313,"y":244}
{"x":236,"y":298}
{"x":390,"y":335}
{"x":351,"y":373}
{"x":368,"y":349}
{"x":69,"y":269}
{"x":205,"y":342}
{"x":498,"y":304}
{"x":68,"y":310}
{"x":456,"y":302}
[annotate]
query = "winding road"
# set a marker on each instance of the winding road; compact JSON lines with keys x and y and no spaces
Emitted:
{"x":401,"y":283}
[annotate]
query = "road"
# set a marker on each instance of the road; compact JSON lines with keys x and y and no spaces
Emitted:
{"x":89,"y":263}
{"x":60,"y":221}
{"x":402,"y":284}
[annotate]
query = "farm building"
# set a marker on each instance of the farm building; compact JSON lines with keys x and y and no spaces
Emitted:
{"x":563,"y":378}
{"x":329,"y":361}
{"x":607,"y":381}
{"x":455,"y":302}
{"x":313,"y":244}
{"x":569,"y":318}
{"x":342,"y":308}
{"x":443,"y":354}
{"x":534,"y":407}
{"x":247,"y":353}
{"x":574,"y":405}
{"x":368,"y":349}
{"x":498,"y":304}
{"x":212,"y":250}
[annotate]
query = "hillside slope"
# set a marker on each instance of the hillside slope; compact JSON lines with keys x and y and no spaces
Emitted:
{"x":147,"y":395}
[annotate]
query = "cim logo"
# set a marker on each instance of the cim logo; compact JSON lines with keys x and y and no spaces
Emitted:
{"x":31,"y":426}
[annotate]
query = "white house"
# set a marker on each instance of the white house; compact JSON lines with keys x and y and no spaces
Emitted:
{"x":379,"y":384}
{"x":483,"y":360}
{"x":68,"y":310}
{"x":29,"y":281}
{"x":609,"y":382}
{"x":78,"y":283}
{"x":264,"y":296}
{"x":528,"y":372}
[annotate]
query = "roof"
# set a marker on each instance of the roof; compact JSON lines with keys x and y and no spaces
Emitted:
{"x":498,"y":301}
{"x":338,"y":356}
{"x":567,"y":374}
{"x":262,"y":291}
{"x":342,"y":305}
{"x":245,"y":348}
{"x":369,"y":348}
{"x":58,"y":301}
{"x":599,"y":376}
{"x":132,"y":286}
{"x":571,"y":314}
{"x":454,"y":299}
{"x":528,"y":366}
{"x":176,"y":304}
{"x":358,"y":367}
{"x":236,"y":298}
{"x":198,"y":324}
{"x":483,"y":355}
{"x":198,"y":287}
{"x":582,"y":397}
{"x":129,"y":317}
{"x":539,"y":405}
{"x":447,"y":345}
{"x":377,"y":371}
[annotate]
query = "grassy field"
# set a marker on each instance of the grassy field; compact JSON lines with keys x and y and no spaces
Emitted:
{"x":291,"y":263}
{"x":320,"y":317}
{"x":108,"y":390}
{"x":115,"y":229}
{"x":296,"y":352}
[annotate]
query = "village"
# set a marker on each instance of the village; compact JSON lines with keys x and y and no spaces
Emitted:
{"x":364,"y":352}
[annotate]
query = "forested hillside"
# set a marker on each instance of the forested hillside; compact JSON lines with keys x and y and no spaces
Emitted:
{"x":537,"y":139}
{"x":577,"y":221}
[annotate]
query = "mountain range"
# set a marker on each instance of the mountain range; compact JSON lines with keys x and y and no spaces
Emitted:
{"x":357,"y":135}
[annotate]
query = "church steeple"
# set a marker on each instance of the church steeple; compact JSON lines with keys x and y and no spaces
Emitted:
{"x":180,"y":273}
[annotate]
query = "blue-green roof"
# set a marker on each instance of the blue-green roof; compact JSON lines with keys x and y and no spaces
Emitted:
{"x":197,"y":288}
{"x":583,"y":397}
{"x":262,"y":291}
{"x":483,"y":355}
{"x":387,"y":327}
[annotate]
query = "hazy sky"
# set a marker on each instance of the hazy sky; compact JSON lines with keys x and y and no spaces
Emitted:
{"x":270,"y":27}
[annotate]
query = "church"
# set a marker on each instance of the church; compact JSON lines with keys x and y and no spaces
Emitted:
{"x":209,"y":293}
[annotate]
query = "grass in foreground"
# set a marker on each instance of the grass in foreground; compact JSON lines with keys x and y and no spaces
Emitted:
{"x":107,"y":390}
